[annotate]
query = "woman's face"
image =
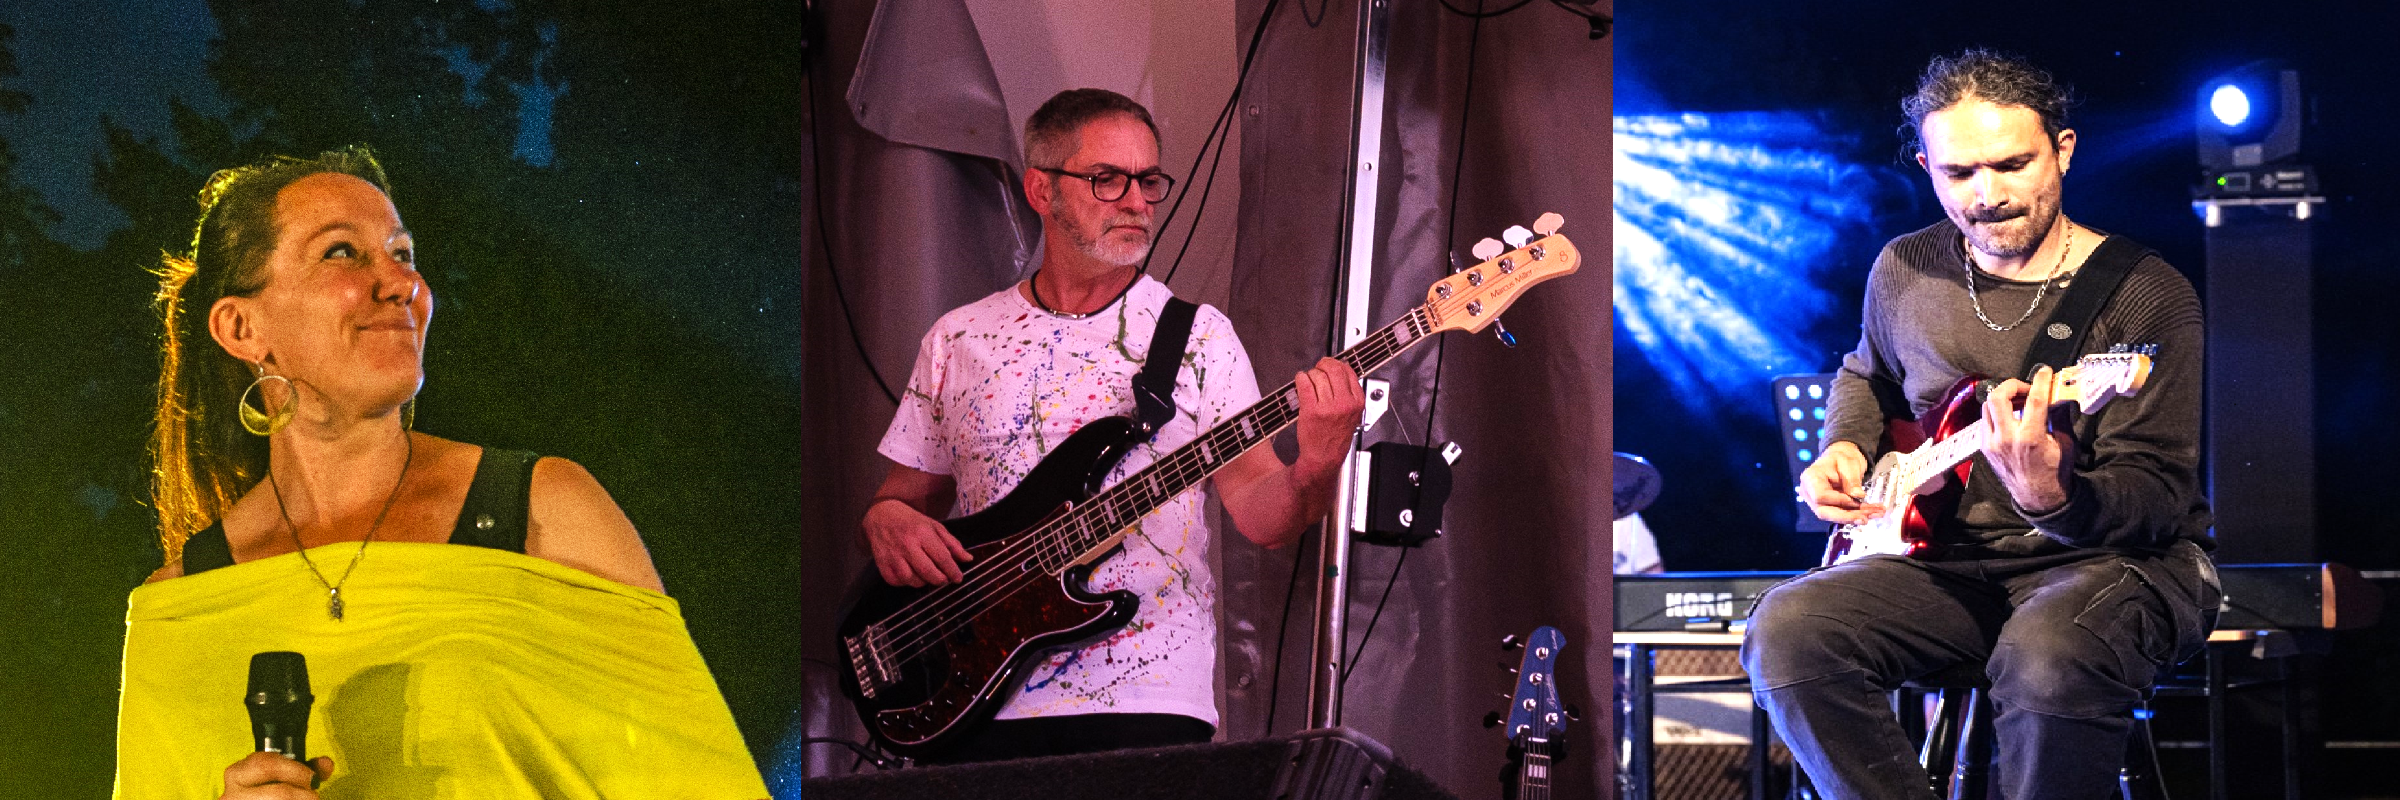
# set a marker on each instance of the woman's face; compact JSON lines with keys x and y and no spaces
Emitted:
{"x":344,"y":311}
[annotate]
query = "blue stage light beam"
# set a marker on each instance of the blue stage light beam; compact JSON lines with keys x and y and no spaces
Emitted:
{"x":1726,"y":225}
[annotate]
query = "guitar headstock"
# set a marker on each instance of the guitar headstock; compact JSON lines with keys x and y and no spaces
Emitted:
{"x":1534,"y":711}
{"x":2096,"y":379}
{"x":1472,"y":298}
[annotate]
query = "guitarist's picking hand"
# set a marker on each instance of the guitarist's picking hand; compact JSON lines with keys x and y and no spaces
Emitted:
{"x":1835,"y":483}
{"x":2029,"y":458}
{"x":911,"y":549}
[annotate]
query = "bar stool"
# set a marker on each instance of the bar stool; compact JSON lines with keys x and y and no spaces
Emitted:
{"x":1959,"y":743}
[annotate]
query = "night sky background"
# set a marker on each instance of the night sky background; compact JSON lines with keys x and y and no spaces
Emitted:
{"x":1755,"y":71}
{"x":605,"y":202}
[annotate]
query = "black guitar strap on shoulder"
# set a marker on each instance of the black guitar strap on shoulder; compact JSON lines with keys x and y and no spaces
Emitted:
{"x":2060,"y":342}
{"x":1154,"y":387}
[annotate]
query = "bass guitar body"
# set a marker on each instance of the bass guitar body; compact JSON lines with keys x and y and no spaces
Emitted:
{"x":935,"y":688}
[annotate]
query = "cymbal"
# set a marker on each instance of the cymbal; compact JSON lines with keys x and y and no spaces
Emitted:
{"x":1637,"y":483}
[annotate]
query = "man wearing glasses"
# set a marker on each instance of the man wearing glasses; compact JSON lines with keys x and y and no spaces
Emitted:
{"x":1001,"y":381}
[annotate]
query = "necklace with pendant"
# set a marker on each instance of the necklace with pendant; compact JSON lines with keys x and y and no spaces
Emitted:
{"x":333,"y":589}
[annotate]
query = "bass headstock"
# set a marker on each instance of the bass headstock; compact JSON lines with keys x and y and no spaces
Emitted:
{"x":1472,"y":298}
{"x":1534,"y":711}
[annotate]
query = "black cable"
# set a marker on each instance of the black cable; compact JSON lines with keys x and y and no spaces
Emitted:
{"x":1216,"y":135}
{"x":1192,"y":231}
{"x":1458,"y":166}
{"x":869,"y":756}
{"x":1388,"y":582}
{"x":816,"y":157}
{"x":1275,"y":668}
{"x":1321,"y":8}
{"x":1479,"y":13}
{"x":1601,"y":23}
{"x":1441,"y":348}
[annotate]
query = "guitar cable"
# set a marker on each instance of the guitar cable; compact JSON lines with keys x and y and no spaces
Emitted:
{"x":816,"y":158}
{"x":1217,"y":134}
{"x":1441,"y":350}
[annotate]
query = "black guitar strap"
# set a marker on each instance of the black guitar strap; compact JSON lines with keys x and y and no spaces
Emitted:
{"x":2060,"y":342}
{"x":1154,"y":387}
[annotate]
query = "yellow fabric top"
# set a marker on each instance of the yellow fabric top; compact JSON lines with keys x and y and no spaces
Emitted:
{"x":457,"y":672}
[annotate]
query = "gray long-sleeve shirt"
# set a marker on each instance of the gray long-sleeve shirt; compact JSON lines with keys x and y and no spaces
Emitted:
{"x":2136,"y":479}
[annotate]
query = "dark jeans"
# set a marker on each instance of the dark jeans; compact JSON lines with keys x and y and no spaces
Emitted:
{"x":2071,"y":642}
{"x":1005,"y":739}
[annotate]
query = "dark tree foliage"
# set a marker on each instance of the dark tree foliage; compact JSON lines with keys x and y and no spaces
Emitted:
{"x":625,"y":296}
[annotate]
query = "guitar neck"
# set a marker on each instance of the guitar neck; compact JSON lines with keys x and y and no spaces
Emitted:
{"x":1533,"y":776}
{"x":1087,"y":531}
{"x":1929,"y":461}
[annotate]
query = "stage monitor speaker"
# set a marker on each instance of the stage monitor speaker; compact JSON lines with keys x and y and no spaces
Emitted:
{"x":1328,"y":764}
{"x":2261,"y":401}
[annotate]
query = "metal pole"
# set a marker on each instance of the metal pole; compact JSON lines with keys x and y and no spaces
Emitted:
{"x":1350,"y":318}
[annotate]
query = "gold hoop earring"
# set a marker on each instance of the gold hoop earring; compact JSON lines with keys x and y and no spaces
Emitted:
{"x":264,"y":423}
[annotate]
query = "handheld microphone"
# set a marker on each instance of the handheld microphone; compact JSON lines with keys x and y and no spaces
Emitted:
{"x":279,"y":701}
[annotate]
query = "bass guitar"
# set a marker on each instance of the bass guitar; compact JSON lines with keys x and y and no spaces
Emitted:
{"x":1537,"y":721}
{"x":1919,"y":487}
{"x":925,"y":666}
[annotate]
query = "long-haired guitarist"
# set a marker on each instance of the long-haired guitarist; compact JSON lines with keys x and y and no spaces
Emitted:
{"x":1000,"y":382}
{"x":2073,"y":563}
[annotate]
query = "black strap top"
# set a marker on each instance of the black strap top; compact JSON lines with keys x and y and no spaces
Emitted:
{"x":499,"y":501}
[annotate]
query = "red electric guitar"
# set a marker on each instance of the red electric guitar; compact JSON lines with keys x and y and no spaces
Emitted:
{"x":924,"y":666}
{"x":1918,"y":487}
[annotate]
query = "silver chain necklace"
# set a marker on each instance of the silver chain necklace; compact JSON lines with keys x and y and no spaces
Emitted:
{"x":1968,"y":254}
{"x":333,"y":589}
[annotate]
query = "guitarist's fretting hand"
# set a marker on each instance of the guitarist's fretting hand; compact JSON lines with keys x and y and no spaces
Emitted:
{"x":911,"y":549}
{"x":1272,"y":502}
{"x":1834,"y":484}
{"x":2026,"y":455}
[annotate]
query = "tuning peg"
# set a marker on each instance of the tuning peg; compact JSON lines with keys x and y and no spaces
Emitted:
{"x":1506,"y":338}
{"x":1511,"y":642}
{"x":1488,"y":249}
{"x":1548,"y":223}
{"x":1574,"y":712}
{"x":1491,"y":719}
{"x":1516,"y":236}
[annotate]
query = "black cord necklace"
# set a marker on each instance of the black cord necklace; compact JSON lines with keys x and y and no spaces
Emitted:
{"x":1035,"y":284}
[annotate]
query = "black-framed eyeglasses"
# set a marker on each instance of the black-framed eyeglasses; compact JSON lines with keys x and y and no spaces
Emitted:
{"x":1108,"y":185}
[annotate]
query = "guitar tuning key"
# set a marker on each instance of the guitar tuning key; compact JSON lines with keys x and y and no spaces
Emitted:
{"x":1511,"y":642}
{"x":1488,"y":249}
{"x":1506,"y":338}
{"x":1548,"y":223}
{"x":1516,"y":236}
{"x":1574,"y":712}
{"x":1491,"y":719}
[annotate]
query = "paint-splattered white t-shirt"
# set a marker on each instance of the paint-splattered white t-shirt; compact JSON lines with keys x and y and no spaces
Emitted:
{"x":999,"y":383}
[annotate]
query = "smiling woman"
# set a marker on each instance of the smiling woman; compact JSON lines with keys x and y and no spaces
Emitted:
{"x":509,"y":636}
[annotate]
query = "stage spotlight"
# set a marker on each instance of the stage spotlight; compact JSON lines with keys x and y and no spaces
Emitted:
{"x":2249,"y":124}
{"x":2250,"y":117}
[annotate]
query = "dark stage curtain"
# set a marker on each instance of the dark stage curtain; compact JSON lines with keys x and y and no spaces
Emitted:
{"x":912,"y":232}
